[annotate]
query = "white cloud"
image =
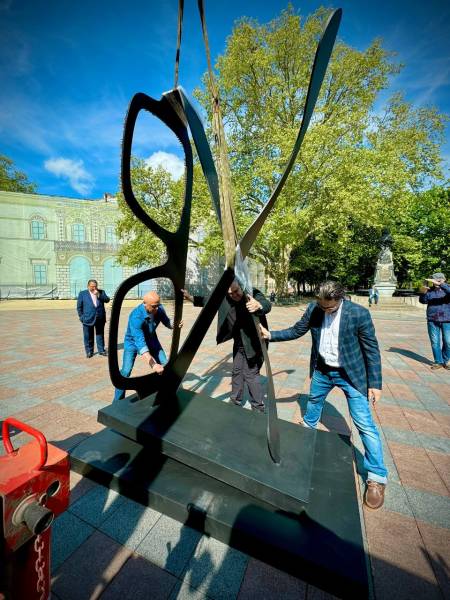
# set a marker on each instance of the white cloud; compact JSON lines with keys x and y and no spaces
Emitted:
{"x":170,"y":162}
{"x":73,"y":170}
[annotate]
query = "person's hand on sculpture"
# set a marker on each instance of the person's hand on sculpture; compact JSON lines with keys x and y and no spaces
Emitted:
{"x":252,"y":304}
{"x":157,"y":368}
{"x":187,"y":296}
{"x":264,"y":332}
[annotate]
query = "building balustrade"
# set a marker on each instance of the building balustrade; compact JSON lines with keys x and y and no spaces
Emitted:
{"x":71,"y":246}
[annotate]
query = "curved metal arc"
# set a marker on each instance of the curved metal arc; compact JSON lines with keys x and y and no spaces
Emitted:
{"x":273,"y":432}
{"x":320,"y":64}
{"x":203,"y":151}
{"x":163,"y":110}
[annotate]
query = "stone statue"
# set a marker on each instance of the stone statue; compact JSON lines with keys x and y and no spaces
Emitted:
{"x":385,"y":278}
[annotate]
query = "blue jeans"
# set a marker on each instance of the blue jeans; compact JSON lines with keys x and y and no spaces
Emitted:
{"x":358,"y":404}
{"x":435,"y":328}
{"x":129,"y":356}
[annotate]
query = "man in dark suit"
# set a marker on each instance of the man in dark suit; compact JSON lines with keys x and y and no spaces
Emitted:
{"x":91,"y":311}
{"x":344,"y":354}
{"x":235,"y":321}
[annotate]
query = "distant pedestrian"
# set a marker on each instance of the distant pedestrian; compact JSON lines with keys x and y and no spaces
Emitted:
{"x":91,"y":311}
{"x":373,"y":295}
{"x":272,"y":296}
{"x":437,"y":300}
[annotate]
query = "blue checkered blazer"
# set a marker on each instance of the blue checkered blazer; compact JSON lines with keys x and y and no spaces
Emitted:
{"x":359,"y":353}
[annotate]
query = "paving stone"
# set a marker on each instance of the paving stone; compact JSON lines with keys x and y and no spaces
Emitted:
{"x":140,"y":580}
{"x":97,"y":505}
{"x":90,"y":569}
{"x":68,"y":533}
{"x":264,"y":582}
{"x":130,"y":523}
{"x":216,"y":569}
{"x":437,"y":544}
{"x":428,"y":507}
{"x":399,"y":561}
{"x":169,"y":544}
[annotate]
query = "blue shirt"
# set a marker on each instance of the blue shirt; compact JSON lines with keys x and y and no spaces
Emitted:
{"x":141,"y":330}
{"x":438,"y":301}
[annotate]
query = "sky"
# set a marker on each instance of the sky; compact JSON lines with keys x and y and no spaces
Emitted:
{"x":68,"y":70}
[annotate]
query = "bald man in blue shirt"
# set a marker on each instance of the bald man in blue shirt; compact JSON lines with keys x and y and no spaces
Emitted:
{"x":141,"y":337}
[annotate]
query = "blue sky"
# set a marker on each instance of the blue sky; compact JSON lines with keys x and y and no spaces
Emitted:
{"x":69,"y":68}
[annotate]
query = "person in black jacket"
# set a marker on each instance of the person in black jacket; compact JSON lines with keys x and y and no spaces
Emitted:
{"x":235,"y":321}
{"x":91,"y":312}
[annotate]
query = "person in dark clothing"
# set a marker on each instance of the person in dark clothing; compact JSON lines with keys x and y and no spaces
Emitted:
{"x":235,"y":321}
{"x":437,"y":300}
{"x":91,"y":312}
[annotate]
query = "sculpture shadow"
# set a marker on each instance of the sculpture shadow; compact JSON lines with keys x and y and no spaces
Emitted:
{"x":411,"y":354}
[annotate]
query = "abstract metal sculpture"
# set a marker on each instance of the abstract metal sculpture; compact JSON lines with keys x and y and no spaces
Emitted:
{"x":176,"y":112}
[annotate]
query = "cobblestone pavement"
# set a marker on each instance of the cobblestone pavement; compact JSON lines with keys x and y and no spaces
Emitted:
{"x":110,"y":547}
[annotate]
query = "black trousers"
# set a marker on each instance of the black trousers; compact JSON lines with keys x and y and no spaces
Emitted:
{"x":246,"y":372}
{"x":88,"y":336}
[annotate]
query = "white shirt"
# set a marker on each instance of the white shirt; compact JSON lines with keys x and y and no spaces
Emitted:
{"x":94,"y":298}
{"x":329,"y":337}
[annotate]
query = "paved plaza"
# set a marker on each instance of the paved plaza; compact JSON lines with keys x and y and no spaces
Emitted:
{"x":107,"y":546}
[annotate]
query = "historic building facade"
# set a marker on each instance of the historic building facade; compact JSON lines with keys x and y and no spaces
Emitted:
{"x":50,"y":246}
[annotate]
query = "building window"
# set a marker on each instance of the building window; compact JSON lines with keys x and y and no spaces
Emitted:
{"x":78,"y":232}
{"x":40,"y":274}
{"x":37,"y":229}
{"x":110,"y":234}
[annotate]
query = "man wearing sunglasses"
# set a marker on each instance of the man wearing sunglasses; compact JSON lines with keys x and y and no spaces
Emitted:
{"x":235,"y":322}
{"x":141,"y":337}
{"x":344,"y":354}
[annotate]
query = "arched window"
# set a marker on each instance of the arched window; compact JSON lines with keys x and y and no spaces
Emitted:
{"x":112,"y":275}
{"x":110,"y":234}
{"x":79,"y":273}
{"x":37,"y":228}
{"x":78,"y":232}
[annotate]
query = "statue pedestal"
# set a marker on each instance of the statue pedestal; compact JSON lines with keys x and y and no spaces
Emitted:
{"x":301,"y":516}
{"x":385,"y":289}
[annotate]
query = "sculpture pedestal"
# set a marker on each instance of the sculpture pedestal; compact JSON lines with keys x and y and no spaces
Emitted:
{"x":385,"y":290}
{"x":318,"y":540}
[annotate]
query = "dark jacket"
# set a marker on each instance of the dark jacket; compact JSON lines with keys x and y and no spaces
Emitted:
{"x":235,"y":322}
{"x":438,"y":303}
{"x":89,"y":313}
{"x":359,"y":353}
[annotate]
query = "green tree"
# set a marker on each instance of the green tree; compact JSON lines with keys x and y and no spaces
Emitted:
{"x":162,"y":198}
{"x":421,"y":235}
{"x":356,"y":166}
{"x":12,"y":180}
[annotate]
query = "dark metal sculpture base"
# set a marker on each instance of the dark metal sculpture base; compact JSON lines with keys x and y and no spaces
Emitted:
{"x":320,"y":541}
{"x":221,"y":440}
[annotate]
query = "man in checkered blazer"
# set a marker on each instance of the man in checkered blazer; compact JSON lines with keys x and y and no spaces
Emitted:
{"x":344,"y":354}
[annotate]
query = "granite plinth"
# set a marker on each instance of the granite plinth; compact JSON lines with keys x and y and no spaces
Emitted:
{"x":223,"y":441}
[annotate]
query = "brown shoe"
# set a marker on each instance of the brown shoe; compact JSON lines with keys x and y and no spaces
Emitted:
{"x":437,"y":366}
{"x":374,"y":495}
{"x":447,"y":366}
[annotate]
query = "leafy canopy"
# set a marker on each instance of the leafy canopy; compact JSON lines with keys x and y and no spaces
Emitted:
{"x":12,"y":180}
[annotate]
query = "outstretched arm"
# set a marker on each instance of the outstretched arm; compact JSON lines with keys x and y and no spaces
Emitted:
{"x":291,"y":333}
